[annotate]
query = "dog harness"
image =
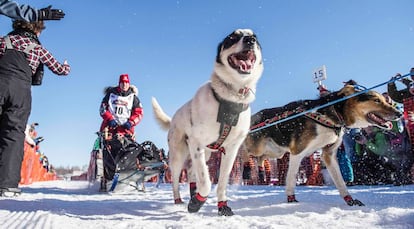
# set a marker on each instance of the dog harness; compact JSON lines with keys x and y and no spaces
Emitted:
{"x":324,"y":121}
{"x":315,"y":116}
{"x":228,"y":116}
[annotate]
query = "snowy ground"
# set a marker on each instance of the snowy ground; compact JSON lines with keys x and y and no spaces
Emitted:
{"x":76,"y":204}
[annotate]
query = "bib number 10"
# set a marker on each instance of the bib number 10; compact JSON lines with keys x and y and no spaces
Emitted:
{"x":119,"y":110}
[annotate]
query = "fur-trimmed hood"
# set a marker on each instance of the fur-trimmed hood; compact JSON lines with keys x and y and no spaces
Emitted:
{"x":132,"y":88}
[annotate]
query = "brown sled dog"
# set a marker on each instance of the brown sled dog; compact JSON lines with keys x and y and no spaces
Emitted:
{"x":322,"y":129}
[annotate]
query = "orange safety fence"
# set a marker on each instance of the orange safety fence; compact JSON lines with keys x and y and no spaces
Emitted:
{"x":32,"y":168}
{"x":36,"y":168}
{"x":26,"y":170}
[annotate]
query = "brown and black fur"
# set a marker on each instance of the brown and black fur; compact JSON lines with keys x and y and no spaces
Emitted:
{"x":301,"y":136}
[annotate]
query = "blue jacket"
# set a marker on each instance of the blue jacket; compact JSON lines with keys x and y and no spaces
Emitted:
{"x":19,"y":12}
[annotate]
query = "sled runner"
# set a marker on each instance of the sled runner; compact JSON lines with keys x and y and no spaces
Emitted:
{"x":120,"y":161}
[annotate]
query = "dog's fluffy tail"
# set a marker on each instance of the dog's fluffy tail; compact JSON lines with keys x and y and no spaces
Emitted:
{"x":162,"y":118}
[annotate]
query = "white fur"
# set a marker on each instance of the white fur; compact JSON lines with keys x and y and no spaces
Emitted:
{"x":194,"y":125}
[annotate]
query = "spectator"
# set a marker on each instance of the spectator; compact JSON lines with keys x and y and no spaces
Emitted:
{"x":345,"y":165}
{"x":29,"y":135}
{"x":386,"y":156}
{"x":406,"y":97}
{"x":368,"y":169}
{"x":21,"y":61}
{"x":346,"y":153}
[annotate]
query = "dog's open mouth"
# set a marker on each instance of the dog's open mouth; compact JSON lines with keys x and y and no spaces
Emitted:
{"x":379,"y":121}
{"x":243,"y":61}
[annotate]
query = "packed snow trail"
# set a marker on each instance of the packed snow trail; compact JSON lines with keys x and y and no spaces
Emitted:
{"x":76,"y":204}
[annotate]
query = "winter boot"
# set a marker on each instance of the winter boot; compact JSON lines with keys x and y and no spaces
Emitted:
{"x":10,"y":192}
{"x":103,"y":188}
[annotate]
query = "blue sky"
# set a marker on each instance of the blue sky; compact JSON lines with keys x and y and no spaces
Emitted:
{"x":168,"y":48}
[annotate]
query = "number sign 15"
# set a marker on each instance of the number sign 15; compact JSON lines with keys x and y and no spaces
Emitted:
{"x":319,"y":74}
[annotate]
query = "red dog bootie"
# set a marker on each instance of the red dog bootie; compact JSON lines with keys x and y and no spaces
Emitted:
{"x":196,"y":202}
{"x":178,"y":201}
{"x":352,"y":202}
{"x":223,"y":209}
{"x":193,"y":189}
{"x":291,"y":199}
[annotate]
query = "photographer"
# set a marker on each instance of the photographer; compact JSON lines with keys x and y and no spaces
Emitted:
{"x":21,"y":65}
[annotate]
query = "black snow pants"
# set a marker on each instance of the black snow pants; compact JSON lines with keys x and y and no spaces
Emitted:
{"x":15,"y":107}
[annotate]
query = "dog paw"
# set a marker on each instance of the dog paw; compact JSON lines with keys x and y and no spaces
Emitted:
{"x":196,"y":203}
{"x":224,"y":210}
{"x":178,"y":201}
{"x":353,"y":202}
{"x":291,"y":199}
{"x":359,"y":203}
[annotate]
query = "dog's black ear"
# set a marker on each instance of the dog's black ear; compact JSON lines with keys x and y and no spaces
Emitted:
{"x":365,"y":97}
{"x":218,"y":60}
{"x":347,"y":90}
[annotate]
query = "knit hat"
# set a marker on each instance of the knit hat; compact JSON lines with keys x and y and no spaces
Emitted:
{"x":350,"y":82}
{"x":124,"y":78}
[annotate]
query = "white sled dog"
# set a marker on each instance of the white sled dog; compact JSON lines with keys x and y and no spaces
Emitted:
{"x":215,"y":120}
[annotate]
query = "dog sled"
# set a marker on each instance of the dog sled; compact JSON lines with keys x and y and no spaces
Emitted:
{"x":119,"y":162}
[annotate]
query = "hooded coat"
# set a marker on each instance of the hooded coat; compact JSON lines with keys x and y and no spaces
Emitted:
{"x":121,"y":106}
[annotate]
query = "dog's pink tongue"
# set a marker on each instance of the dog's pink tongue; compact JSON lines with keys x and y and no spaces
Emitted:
{"x":246,"y":65}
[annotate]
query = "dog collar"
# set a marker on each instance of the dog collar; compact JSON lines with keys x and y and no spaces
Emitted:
{"x":241,"y":92}
{"x":244,"y":91}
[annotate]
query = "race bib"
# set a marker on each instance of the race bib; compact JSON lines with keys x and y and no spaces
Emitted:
{"x":120,"y":107}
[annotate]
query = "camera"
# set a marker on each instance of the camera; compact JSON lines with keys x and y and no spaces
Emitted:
{"x":37,"y":77}
{"x":358,"y":138}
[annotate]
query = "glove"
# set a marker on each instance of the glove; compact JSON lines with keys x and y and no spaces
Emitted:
{"x":39,"y":140}
{"x":396,"y":76}
{"x":406,"y":81}
{"x":127,"y":125}
{"x":112,"y":123}
{"x":50,"y":14}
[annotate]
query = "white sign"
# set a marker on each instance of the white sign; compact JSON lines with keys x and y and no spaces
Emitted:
{"x":319,"y":74}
